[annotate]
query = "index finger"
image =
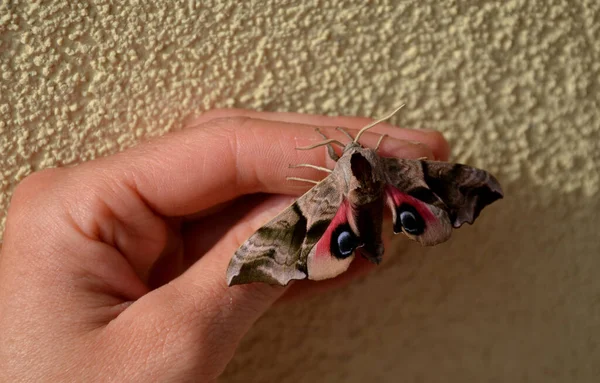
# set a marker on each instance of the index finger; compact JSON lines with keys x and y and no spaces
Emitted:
{"x":434,"y":139}
{"x":197,"y":168}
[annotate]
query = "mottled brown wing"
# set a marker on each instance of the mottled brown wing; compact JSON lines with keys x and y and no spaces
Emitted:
{"x":277,"y":252}
{"x":429,"y":198}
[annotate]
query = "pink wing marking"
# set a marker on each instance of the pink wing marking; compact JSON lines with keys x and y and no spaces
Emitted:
{"x":321,"y":264}
{"x":437,"y":224}
{"x":340,"y":218}
{"x":398,"y":198}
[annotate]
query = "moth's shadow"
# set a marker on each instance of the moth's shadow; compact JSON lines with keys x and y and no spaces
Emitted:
{"x":513,"y":293}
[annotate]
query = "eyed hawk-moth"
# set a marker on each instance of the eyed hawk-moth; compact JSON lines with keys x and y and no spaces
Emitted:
{"x":318,"y":236}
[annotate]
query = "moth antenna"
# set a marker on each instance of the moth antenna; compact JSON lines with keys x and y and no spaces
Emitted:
{"x":332,"y":154}
{"x":379,"y":141}
{"x":321,"y":134}
{"x":322,"y":143}
{"x":345,"y":132}
{"x":311,"y":166}
{"x":301,"y":179}
{"x":377,"y":122}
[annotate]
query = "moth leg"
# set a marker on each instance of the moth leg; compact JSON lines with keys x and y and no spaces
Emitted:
{"x":312,"y":167}
{"x":321,"y":133}
{"x":379,"y":142}
{"x":322,"y":143}
{"x":330,"y":150}
{"x":345,"y":132}
{"x":301,"y":179}
{"x":332,"y":154}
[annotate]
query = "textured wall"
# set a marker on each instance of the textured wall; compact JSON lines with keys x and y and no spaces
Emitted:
{"x":514,"y":85}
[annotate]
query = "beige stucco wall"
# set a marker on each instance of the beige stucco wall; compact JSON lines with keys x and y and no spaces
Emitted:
{"x":513,"y":84}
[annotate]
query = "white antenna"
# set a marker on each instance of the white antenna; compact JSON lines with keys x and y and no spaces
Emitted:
{"x":377,"y":122}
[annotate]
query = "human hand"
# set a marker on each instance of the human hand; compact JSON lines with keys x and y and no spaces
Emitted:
{"x":115,"y":269}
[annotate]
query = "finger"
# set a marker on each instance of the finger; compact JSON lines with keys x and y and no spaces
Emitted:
{"x":199,"y":302}
{"x":203,"y":235}
{"x":195,"y":169}
{"x":434,"y":139}
{"x":207,"y":316}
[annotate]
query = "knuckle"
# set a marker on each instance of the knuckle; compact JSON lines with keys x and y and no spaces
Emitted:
{"x":32,"y":222}
{"x":35,"y":185}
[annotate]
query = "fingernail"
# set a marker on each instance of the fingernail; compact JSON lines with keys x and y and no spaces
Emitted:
{"x":439,"y":142}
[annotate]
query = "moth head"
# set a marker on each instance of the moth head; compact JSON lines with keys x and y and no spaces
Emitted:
{"x":364,"y":182}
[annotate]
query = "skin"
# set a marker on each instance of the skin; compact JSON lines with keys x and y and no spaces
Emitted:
{"x":115,"y":268}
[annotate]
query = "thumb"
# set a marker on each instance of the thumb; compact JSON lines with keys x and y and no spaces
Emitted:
{"x":197,"y":321}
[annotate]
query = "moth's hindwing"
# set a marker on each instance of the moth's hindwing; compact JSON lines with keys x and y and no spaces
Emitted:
{"x":429,"y":198}
{"x":278,"y":252}
{"x":334,"y":251}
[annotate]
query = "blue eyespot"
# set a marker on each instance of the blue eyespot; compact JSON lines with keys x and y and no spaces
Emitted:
{"x":409,"y":219}
{"x":343,"y":242}
{"x":346,"y":243}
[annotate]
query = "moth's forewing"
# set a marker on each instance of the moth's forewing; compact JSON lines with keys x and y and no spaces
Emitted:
{"x":277,"y":252}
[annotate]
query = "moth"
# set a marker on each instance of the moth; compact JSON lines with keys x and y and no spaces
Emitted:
{"x":318,"y":236}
